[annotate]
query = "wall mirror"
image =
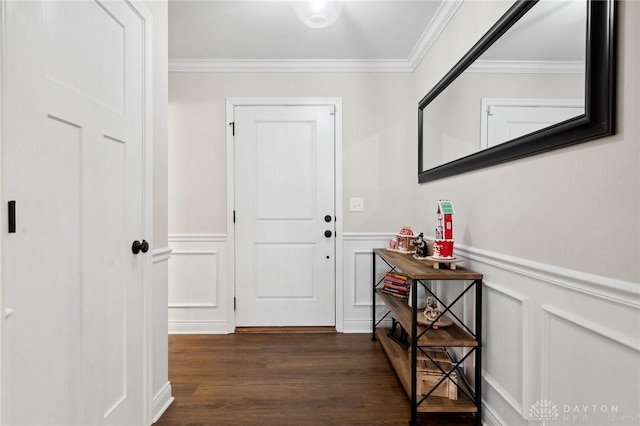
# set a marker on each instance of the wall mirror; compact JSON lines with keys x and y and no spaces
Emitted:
{"x":541,"y":78}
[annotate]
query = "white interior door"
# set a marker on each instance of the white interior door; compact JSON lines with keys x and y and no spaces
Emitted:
{"x":507,"y":119}
{"x":73,"y":162}
{"x":284,"y":204}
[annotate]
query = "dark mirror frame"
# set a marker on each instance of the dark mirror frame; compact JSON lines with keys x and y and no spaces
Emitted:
{"x":600,"y":93}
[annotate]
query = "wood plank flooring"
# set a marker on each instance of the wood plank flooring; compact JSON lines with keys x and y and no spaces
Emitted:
{"x":287,"y":379}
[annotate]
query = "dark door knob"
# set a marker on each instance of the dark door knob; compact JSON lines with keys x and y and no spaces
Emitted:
{"x":138,"y":246}
{"x":328,"y":233}
{"x":327,"y":218}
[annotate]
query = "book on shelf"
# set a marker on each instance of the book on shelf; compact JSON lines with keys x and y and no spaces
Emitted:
{"x":396,"y":293}
{"x":394,"y":278}
{"x":396,"y":287}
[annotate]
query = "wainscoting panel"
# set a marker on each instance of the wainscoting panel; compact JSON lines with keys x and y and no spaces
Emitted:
{"x":358,"y":249}
{"x":197,"y":284}
{"x":556,"y":339}
{"x":506,"y":334}
{"x":585,"y":364}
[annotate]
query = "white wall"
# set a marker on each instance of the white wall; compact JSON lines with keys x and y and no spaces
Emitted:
{"x":557,"y":238}
{"x":374,"y":141}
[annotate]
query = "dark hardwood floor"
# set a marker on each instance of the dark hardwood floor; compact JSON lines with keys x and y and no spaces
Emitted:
{"x":287,"y":379}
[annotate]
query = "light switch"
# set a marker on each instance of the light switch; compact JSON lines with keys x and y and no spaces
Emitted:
{"x":356,"y":204}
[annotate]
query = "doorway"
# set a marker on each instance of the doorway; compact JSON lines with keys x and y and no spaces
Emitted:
{"x":285,"y":227}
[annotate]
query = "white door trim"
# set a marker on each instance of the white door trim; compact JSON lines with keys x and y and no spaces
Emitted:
{"x":147,"y":211}
{"x":337,"y":103}
{"x":3,"y":219}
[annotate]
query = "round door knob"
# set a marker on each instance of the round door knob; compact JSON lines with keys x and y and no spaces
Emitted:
{"x":328,"y":233}
{"x":327,"y":218}
{"x":138,"y":246}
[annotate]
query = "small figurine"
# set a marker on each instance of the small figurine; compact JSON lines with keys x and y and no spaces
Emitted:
{"x":443,"y":243}
{"x":421,"y":247}
{"x":431,"y":312}
{"x":403,"y":242}
{"x":433,"y":316}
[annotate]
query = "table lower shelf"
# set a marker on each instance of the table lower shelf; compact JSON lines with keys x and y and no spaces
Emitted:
{"x":402,"y":366}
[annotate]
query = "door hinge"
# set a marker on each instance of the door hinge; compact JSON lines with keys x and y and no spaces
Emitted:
{"x":234,"y":303}
{"x":12,"y":217}
{"x":332,"y":110}
{"x":489,"y":112}
{"x":234,"y":216}
{"x":233,"y":128}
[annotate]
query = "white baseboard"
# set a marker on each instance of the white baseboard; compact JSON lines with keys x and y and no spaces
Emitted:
{"x":490,"y":418}
{"x":357,"y":326}
{"x":362,"y":326}
{"x":199,"y":327}
{"x":161,"y":401}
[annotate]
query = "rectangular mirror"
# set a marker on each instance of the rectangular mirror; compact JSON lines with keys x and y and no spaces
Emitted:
{"x":543,"y":77}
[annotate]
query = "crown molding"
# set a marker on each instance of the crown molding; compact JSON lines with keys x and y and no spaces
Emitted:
{"x":440,"y":20}
{"x":277,"y":65}
{"x":538,"y":67}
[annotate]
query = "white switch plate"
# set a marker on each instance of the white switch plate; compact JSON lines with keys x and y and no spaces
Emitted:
{"x":356,"y":204}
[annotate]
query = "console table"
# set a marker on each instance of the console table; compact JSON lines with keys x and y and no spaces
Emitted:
{"x":421,"y":337}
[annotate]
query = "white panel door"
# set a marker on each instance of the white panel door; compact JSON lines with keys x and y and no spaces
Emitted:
{"x":73,"y":162}
{"x":509,"y":119}
{"x":284,"y":177}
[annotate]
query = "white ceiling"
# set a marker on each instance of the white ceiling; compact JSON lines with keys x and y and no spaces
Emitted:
{"x":378,"y":34}
{"x":368,"y":35}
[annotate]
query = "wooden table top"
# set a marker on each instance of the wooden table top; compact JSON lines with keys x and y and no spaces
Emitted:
{"x":421,"y":270}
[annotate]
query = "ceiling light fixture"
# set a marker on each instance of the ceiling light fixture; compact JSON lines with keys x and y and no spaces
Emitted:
{"x":318,"y":13}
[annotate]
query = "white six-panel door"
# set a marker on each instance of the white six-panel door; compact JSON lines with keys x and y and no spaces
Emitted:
{"x":73,"y":162}
{"x":284,"y":189}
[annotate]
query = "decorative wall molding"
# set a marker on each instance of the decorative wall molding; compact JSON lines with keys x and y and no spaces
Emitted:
{"x":548,"y":312}
{"x":490,"y":416}
{"x":526,"y":351}
{"x":161,"y":254}
{"x":191,"y":238}
{"x":161,"y":401}
{"x":192,"y":305}
{"x":367,"y":236}
{"x":504,"y":394}
{"x":530,"y":284}
{"x":358,"y":249}
{"x":215,"y":264}
{"x":618,"y":291}
{"x":366,"y":255}
{"x":198,"y":293}
{"x":592,"y":327}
